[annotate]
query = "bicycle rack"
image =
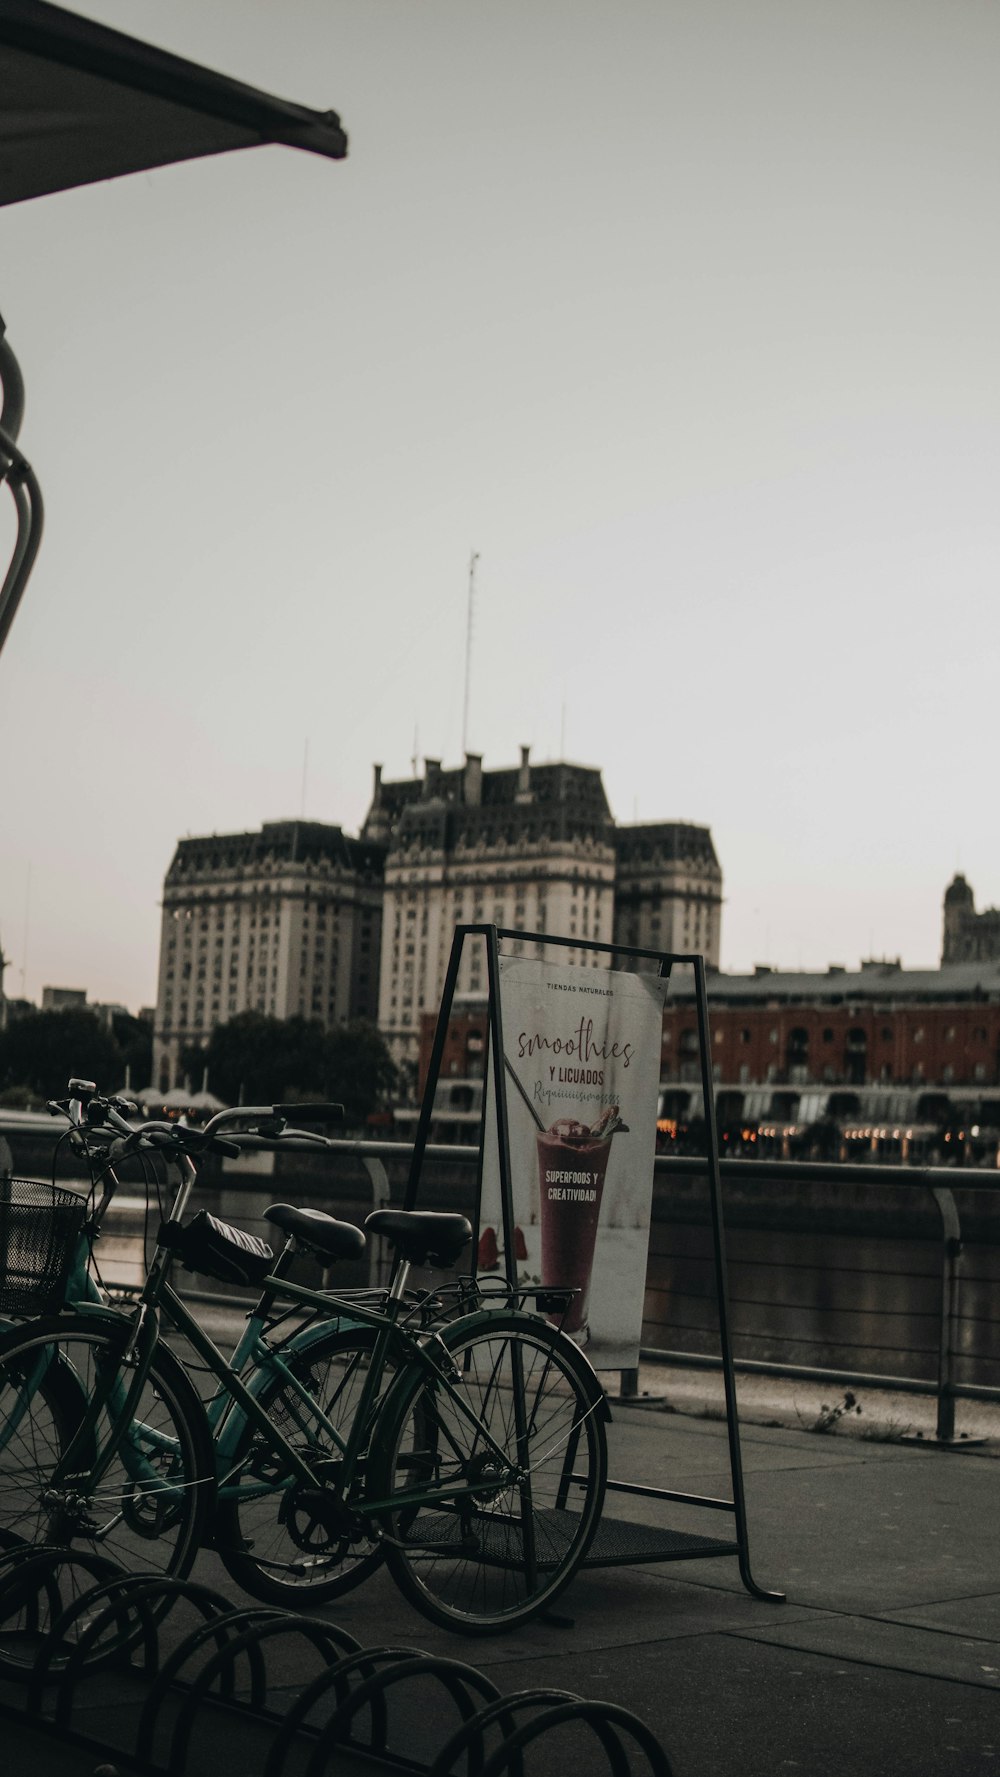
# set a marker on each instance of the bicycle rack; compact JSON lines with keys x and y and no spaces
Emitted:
{"x":169,"y":1696}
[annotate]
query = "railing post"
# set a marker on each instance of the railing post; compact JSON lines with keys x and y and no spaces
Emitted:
{"x":378,"y":1178}
{"x":951,"y":1252}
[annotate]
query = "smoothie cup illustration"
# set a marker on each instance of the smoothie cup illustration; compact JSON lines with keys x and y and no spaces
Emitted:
{"x":572,"y":1167}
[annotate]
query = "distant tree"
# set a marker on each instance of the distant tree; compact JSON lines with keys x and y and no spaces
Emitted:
{"x":42,"y":1050}
{"x":134,"y":1037}
{"x":361,"y":1073}
{"x":266,"y":1060}
{"x":260,"y":1059}
{"x":16,"y":1098}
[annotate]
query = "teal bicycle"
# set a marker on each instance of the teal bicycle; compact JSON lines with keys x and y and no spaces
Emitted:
{"x":468,"y":1453}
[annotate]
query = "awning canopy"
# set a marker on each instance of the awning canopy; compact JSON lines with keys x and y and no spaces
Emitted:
{"x":80,"y":103}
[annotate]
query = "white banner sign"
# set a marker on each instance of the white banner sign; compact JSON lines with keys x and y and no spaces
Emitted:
{"x":582,"y":1071}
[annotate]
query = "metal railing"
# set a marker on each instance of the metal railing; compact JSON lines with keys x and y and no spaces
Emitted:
{"x":939,"y":1184}
{"x":934,"y":1185}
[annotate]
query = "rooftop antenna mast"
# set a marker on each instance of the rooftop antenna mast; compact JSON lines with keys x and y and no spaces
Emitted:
{"x":468,"y":650}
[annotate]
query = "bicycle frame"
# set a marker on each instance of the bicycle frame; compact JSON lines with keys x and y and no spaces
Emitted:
{"x":238,"y":1402}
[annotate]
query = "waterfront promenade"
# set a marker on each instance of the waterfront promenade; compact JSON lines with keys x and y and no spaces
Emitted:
{"x":884,"y":1660}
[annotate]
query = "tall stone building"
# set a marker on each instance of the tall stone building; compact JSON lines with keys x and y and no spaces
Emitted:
{"x":535,"y":848}
{"x":668,"y":889}
{"x":969,"y":937}
{"x":531,"y":847}
{"x":286,"y":921}
{"x":298,"y":919}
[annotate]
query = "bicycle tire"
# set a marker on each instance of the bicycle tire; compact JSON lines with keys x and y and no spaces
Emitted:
{"x":272,"y":1543}
{"x":151,"y":1508}
{"x":491,"y":1557}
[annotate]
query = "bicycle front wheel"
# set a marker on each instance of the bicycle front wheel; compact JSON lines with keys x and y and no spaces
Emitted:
{"x":73,"y":1474}
{"x":496,"y":1474}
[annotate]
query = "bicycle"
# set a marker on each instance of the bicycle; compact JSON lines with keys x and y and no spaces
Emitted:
{"x":66,"y":1236}
{"x":469,"y":1453}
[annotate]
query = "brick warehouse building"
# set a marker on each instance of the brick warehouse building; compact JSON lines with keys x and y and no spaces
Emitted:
{"x":879,"y":1026}
{"x":878,"y":1043}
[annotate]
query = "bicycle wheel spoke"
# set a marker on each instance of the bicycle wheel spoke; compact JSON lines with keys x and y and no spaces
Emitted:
{"x":60,"y":1394}
{"x":487,"y":1525}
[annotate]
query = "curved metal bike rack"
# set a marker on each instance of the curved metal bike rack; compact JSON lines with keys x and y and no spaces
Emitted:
{"x":117,"y":1625}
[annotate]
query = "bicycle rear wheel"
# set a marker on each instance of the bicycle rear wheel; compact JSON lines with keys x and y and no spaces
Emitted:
{"x":276,"y":1541}
{"x":496,"y":1476}
{"x":62,"y":1390}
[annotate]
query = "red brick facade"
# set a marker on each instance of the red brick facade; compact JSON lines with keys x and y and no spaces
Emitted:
{"x":867,"y":1045}
{"x":912,"y":1044}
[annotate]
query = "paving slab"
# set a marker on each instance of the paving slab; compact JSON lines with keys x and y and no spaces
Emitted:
{"x":977,"y":1614}
{"x":898,"y":1647}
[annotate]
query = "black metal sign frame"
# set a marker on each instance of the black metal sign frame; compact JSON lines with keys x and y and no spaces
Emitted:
{"x":616,"y":1543}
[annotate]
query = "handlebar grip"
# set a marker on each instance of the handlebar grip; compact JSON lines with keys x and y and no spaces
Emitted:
{"x":219,"y":1144}
{"x":310,"y":1113}
{"x":82,"y":1089}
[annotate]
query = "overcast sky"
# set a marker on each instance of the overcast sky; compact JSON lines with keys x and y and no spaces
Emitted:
{"x":683,"y":315}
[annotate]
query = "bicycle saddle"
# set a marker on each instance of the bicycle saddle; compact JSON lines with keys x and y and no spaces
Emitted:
{"x":423,"y":1236}
{"x":335,"y":1240}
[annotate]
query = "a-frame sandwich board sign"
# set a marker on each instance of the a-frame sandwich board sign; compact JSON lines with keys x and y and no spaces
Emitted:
{"x":571,"y":1164}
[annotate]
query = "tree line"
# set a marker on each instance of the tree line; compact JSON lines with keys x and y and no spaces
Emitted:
{"x":40,"y":1051}
{"x":252,"y":1059}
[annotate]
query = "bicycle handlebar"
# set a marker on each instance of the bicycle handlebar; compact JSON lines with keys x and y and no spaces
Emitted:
{"x":274,"y":1118}
{"x":89,"y":1111}
{"x":311,"y":1113}
{"x":178,"y":1135}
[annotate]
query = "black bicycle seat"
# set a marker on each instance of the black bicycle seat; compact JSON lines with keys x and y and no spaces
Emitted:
{"x":423,"y":1236}
{"x":335,"y":1240}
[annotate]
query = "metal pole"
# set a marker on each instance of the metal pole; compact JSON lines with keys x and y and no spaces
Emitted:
{"x":950,"y":1255}
{"x":500,"y":1092}
{"x":468,"y":650}
{"x":430,"y":1088}
{"x":722,"y":1287}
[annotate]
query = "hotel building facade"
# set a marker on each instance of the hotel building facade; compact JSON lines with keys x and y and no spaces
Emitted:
{"x":285,"y":921}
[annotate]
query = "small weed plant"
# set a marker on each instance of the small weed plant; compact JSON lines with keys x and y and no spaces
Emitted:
{"x":828,"y":1418}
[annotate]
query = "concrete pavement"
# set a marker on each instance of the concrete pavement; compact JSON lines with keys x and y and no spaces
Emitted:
{"x":885,"y":1658}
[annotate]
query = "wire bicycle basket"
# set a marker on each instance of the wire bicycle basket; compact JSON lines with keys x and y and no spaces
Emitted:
{"x":40,"y":1226}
